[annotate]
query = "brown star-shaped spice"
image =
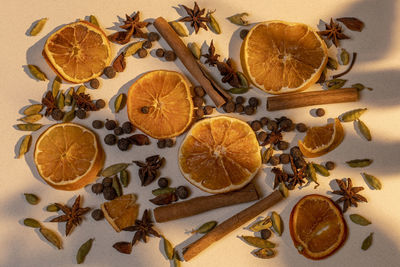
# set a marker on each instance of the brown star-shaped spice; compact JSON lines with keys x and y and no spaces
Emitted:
{"x":349,"y":194}
{"x":195,"y":17}
{"x":83,"y":101}
{"x":228,"y":72}
{"x":132,"y":26}
{"x":143,"y":228}
{"x":72,"y":215}
{"x":298,"y":177}
{"x":49,"y":102}
{"x":148,"y":171}
{"x":333,"y":31}
{"x":211,"y":57}
{"x":273,"y":138}
{"x":280,"y":176}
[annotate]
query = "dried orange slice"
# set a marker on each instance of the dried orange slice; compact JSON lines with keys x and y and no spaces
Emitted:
{"x":166,"y":95}
{"x":282,"y":57}
{"x":121,"y":212}
{"x":322,"y":139}
{"x":78,"y":52}
{"x":220,"y":154}
{"x":68,"y":156}
{"x":317,"y":227}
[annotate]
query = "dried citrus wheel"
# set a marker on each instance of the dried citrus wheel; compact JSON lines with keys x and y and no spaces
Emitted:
{"x":78,"y":52}
{"x":281,"y":57}
{"x":121,"y":212}
{"x":317,"y":227}
{"x":320,"y":140}
{"x":220,"y":154}
{"x":68,"y":156}
{"x":166,"y":97}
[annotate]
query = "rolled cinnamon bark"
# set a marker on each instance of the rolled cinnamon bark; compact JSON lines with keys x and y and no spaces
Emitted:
{"x":296,"y":100}
{"x":230,"y":224}
{"x":202,"y":204}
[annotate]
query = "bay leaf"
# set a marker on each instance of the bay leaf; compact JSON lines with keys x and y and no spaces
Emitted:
{"x":364,"y":130}
{"x":55,"y":87}
{"x":33,"y":109}
{"x":372,"y":181}
{"x":114,"y":169}
{"x":161,"y":191}
{"x":277,"y":223}
{"x":120,"y":102}
{"x":29,"y":126}
{"x":93,"y":20}
{"x":195,"y":49}
{"x":359,"y":163}
{"x":360,"y":220}
{"x":133,"y":48}
{"x":25,"y":145}
{"x":83,"y":251}
{"x":238,"y":19}
{"x":168,"y":248}
{"x":261,"y":225}
{"x":213,"y":23}
{"x":31,"y":118}
{"x":352,"y":115}
{"x":52,"y":237}
{"x":366,"y":244}
{"x":31,"y":198}
{"x":37,"y":72}
{"x":258,"y":242}
{"x":30,"y":222}
{"x":265,"y":253}
{"x":178,"y":28}
{"x":321,"y":169}
{"x":38,"y":27}
{"x":206,"y":227}
{"x":352,"y":23}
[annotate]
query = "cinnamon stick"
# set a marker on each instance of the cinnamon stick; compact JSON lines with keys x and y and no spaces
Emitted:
{"x":230,"y":224}
{"x":217,"y":94}
{"x":201,"y":204}
{"x":296,"y":100}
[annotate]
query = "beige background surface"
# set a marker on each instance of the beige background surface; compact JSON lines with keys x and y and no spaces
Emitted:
{"x":378,"y":66}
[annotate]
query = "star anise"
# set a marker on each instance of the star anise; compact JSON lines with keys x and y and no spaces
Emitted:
{"x":273,"y":138}
{"x":280,"y":176}
{"x":298,"y":177}
{"x":71,"y":215}
{"x":148,"y":171}
{"x":195,"y":17}
{"x":49,"y":102}
{"x":349,"y":194}
{"x":132,"y":26}
{"x":83,"y":101}
{"x":228,"y":72}
{"x":143,"y":228}
{"x":212,"y":58}
{"x":333,"y":31}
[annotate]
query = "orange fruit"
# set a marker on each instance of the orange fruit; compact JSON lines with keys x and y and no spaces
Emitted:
{"x":78,"y":52}
{"x":220,"y":154}
{"x":322,"y":139}
{"x":121,"y":212}
{"x":317,"y":227}
{"x":167,"y":96}
{"x":282,"y":57}
{"x":68,"y":156}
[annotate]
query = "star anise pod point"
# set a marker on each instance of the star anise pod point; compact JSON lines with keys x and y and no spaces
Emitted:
{"x":195,"y":17}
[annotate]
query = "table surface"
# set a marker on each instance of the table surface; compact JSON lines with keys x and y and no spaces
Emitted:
{"x":377,"y":66}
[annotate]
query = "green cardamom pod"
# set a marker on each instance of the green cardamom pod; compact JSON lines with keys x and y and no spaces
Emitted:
{"x":55,"y":87}
{"x":360,"y":220}
{"x":114,"y":169}
{"x":213,"y":23}
{"x":266,"y":156}
{"x":120,"y":102}
{"x":68,"y":96}
{"x":162,"y":191}
{"x":238,"y":19}
{"x":83,"y":251}
{"x":332,"y":64}
{"x":372,"y":181}
{"x":312,"y":175}
{"x":277,"y":223}
{"x":367,"y":242}
{"x":265,"y":253}
{"x":237,"y":91}
{"x":37,"y":72}
{"x":195,"y":49}
{"x":51,"y":236}
{"x":31,"y":118}
{"x":33,"y":109}
{"x":344,"y":57}
{"x":168,"y":248}
{"x":69,"y":116}
{"x":25,"y":145}
{"x":335,"y":83}
{"x":178,"y":28}
{"x":94,"y":21}
{"x":31,"y":198}
{"x":206,"y":227}
{"x":258,"y":242}
{"x":81,"y":89}
{"x":352,"y":115}
{"x":29,"y":127}
{"x":61,"y":100}
{"x":37,"y":28}
{"x":261,"y":225}
{"x":359,"y":163}
{"x":117,"y":186}
{"x":321,"y":169}
{"x":52,"y":208}
{"x":133,"y":48}
{"x":364,"y":130}
{"x":283,"y":189}
{"x":31,"y":223}
{"x":244,"y":83}
{"x":124,"y":177}
{"x":358,"y":86}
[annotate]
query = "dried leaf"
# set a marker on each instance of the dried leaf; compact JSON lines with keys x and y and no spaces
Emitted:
{"x":31,"y":118}
{"x":120,"y":102}
{"x":213,"y":23}
{"x":123,"y":247}
{"x":178,"y":28}
{"x":367,"y":242}
{"x":258,"y":242}
{"x":133,"y":48}
{"x":52,"y":237}
{"x":114,"y":169}
{"x":29,"y":127}
{"x":31,"y":198}
{"x":352,"y":115}
{"x":38,"y":27}
{"x":359,"y":163}
{"x":238,"y":19}
{"x":195,"y":49}
{"x":205,"y":227}
{"x":261,"y":225}
{"x":364,"y":129}
{"x":33,"y":109}
{"x":360,"y":220}
{"x":25,"y":145}
{"x":168,"y":249}
{"x":265,"y":253}
{"x":94,"y":21}
{"x":277,"y":223}
{"x":55,"y":87}
{"x":37,"y":72}
{"x":372,"y":181}
{"x":32,"y":223}
{"x":161,"y":191}
{"x":352,"y":23}
{"x":119,"y":63}
{"x":83,"y":251}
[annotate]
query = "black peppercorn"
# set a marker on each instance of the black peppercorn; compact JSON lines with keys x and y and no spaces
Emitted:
{"x":147,"y":44}
{"x":127,"y":127}
{"x":123,"y":144}
{"x":97,"y":214}
{"x":300,"y":163}
{"x":330,"y":165}
{"x":110,"y":124}
{"x":142,"y":52}
{"x":57,"y":114}
{"x":163,"y":182}
{"x":261,"y":136}
{"x":264,"y":121}
{"x":274,"y":160}
{"x":320,"y":112}
{"x":198,"y":101}
{"x":107,"y":182}
{"x":283,"y":145}
{"x":110,"y":139}
{"x":169,"y":142}
{"x":286,"y":125}
{"x":199,"y":91}
{"x":94,"y":83}
{"x":81,"y":114}
{"x":100,"y":103}
{"x":145,"y":109}
{"x":249,"y":110}
{"x":284,"y":158}
{"x":254,"y":102}
{"x":208,"y":110}
{"x":229,"y":107}
{"x":161,"y":143}
{"x":109,"y":72}
{"x":239,"y":100}
{"x":243,"y":34}
{"x":182,"y":192}
{"x":160,"y":52}
{"x":153,"y":36}
{"x":256,"y":125}
{"x":295,"y":152}
{"x":109,"y":193}
{"x":199,"y":112}
{"x":265,"y":234}
{"x":97,"y":188}
{"x":301,"y":127}
{"x":97,"y":124}
{"x":239,"y":108}
{"x":118,"y":131}
{"x":170,"y":55}
{"x":272,"y":126}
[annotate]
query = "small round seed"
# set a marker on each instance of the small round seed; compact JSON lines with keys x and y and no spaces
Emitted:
{"x":198,"y":101}
{"x":300,"y":163}
{"x":301,"y":127}
{"x":97,"y":124}
{"x":284,"y":158}
{"x":320,"y":112}
{"x":261,"y":136}
{"x":97,"y":188}
{"x":249,"y":110}
{"x":255,"y":125}
{"x":182,"y":192}
{"x":100,"y":103}
{"x":147,"y":44}
{"x":330,"y":165}
{"x":286,"y":125}
{"x":239,"y":100}
{"x":170,"y":55}
{"x":265,"y":234}
{"x":160,"y":52}
{"x":110,"y":124}
{"x":142,"y":52}
{"x":109,"y":72}
{"x":109,"y":193}
{"x":264,"y":121}
{"x":127,"y":127}
{"x":272,"y":125}
{"x":295,"y":152}
{"x":169,"y":142}
{"x":123,"y":144}
{"x":145,"y":109}
{"x":208,"y":110}
{"x":57,"y":114}
{"x":161,"y":143}
{"x":283,"y":145}
{"x":274,"y":160}
{"x":199,"y":91}
{"x":239,"y":108}
{"x":80,"y":113}
{"x":229,"y":107}
{"x":110,"y":139}
{"x":163,"y":182}
{"x":243,"y":34}
{"x":254,"y":102}
{"x":153,"y":36}
{"x":118,"y":131}
{"x":199,"y":112}
{"x":97,"y":214}
{"x":94,"y":83}
{"x":107,"y":182}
